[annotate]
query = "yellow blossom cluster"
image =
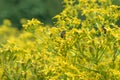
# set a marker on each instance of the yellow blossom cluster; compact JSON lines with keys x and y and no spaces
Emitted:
{"x":83,"y":44}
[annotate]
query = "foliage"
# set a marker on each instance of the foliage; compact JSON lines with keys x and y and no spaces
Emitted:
{"x":73,"y":49}
{"x":17,"y":9}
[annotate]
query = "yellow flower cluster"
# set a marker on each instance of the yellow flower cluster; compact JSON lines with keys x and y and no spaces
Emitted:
{"x":31,"y":25}
{"x":84,"y":44}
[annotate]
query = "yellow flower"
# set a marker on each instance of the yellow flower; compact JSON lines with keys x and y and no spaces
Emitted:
{"x":67,"y":19}
{"x":31,"y":25}
{"x":76,"y":21}
{"x":33,"y":21}
{"x":100,"y":18}
{"x":115,"y":72}
{"x":1,"y":71}
{"x":53,"y":30}
{"x":102,"y":0}
{"x":93,"y":1}
{"x":7,"y":22}
{"x":114,"y":7}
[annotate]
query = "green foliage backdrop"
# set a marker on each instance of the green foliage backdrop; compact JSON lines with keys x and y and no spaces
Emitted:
{"x":17,"y":9}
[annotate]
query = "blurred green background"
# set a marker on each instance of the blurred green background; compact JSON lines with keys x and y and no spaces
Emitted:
{"x":43,"y":10}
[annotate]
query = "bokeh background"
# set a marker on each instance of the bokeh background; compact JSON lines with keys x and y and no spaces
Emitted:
{"x":43,"y":10}
{"x":15,"y":10}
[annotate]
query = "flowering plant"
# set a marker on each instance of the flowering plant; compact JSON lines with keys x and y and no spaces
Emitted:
{"x":84,"y":44}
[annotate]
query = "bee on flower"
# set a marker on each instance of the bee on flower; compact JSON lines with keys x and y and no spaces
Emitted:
{"x":103,"y":28}
{"x":62,"y":34}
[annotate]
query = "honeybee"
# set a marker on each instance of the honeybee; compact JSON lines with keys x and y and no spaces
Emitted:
{"x":103,"y":28}
{"x":62,"y":34}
